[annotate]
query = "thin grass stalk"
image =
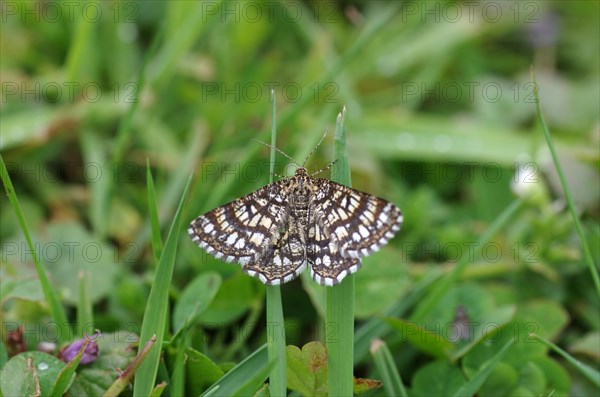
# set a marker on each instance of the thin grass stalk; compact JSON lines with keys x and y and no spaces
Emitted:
{"x":587,"y":253}
{"x":50,"y":294}
{"x":275,"y":325}
{"x":340,"y":298}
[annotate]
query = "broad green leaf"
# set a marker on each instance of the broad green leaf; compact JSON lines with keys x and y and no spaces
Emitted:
{"x":587,"y":345}
{"x":474,"y":298}
{"x":502,"y":379}
{"x":19,"y":378}
{"x":21,"y":288}
{"x":382,"y":280}
{"x":524,"y":349}
{"x":485,"y":327}
{"x":544,"y":317}
{"x":233,"y":299}
{"x":26,"y":126}
{"x":531,"y":378}
{"x":376,"y":327}
{"x":69,"y":249}
{"x":558,"y":378}
{"x":307,"y":369}
{"x":472,"y":386}
{"x":439,"y":378}
{"x":427,"y":341}
{"x":201,"y":372}
{"x":195,"y":299}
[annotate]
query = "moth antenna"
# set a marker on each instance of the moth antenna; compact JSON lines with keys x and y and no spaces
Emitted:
{"x":279,"y":150}
{"x":315,"y":148}
{"x":324,"y":169}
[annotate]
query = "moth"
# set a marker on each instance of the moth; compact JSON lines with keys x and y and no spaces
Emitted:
{"x":301,"y":221}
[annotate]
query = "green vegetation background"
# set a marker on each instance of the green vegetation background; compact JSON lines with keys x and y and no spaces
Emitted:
{"x":440,"y":120}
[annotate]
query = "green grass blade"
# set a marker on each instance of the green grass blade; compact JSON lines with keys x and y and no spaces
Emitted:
{"x":177,"y":384}
{"x":92,"y":149}
{"x":587,"y":253}
{"x":56,"y":310}
{"x":586,"y":370}
{"x":445,"y":284}
{"x":81,"y":38}
{"x":340,"y":298}
{"x":155,"y":316}
{"x":169,"y":197}
{"x":124,"y":132}
{"x":157,"y":244}
{"x":275,"y":324}
{"x":85,"y":314}
{"x":245,"y":378}
{"x":392,"y":383}
{"x":64,"y":378}
{"x":473,"y":385}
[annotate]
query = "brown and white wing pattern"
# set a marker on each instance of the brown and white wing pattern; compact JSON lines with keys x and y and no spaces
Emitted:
{"x":349,"y":225}
{"x":255,"y":232}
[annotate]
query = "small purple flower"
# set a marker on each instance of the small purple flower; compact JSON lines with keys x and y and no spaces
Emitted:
{"x":90,"y":353}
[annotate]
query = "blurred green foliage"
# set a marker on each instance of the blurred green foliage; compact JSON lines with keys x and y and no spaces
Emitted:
{"x":440,"y":120}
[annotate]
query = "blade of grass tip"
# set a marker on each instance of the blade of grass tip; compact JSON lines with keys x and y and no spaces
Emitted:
{"x":56,"y":310}
{"x":587,"y":253}
{"x":472,"y":386}
{"x":392,"y":383}
{"x":85,"y":316}
{"x":157,"y":244}
{"x":275,"y":325}
{"x":586,"y":370}
{"x":76,"y":54}
{"x":448,"y":282}
{"x":155,"y":315}
{"x":159,"y":389}
{"x":340,"y":298}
